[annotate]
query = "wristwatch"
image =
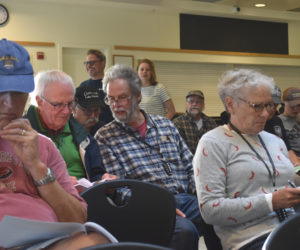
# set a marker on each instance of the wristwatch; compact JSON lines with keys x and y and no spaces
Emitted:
{"x":50,"y":177}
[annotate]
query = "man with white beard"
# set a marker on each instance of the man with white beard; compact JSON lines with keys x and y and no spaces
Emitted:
{"x":137,"y":145}
{"x":194,"y":123}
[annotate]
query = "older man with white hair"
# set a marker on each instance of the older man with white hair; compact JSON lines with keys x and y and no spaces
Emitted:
{"x":52,"y":117}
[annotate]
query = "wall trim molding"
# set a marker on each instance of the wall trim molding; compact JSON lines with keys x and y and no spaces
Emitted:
{"x":31,"y":43}
{"x":210,"y":52}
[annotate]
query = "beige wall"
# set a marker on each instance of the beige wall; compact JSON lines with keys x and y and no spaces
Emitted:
{"x":103,"y":25}
{"x":74,"y":28}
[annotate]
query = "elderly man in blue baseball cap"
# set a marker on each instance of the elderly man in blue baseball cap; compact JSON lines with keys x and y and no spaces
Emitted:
{"x":34,"y":183}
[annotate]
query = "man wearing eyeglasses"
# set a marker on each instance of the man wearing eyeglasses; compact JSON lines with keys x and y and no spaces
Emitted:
{"x":34,"y":183}
{"x":291,"y":98}
{"x":95,"y":65}
{"x":194,"y":123}
{"x":137,"y":145}
{"x":274,"y":125}
{"x":88,"y":106}
{"x":54,"y":95}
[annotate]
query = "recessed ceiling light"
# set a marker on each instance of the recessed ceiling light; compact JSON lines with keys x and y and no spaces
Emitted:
{"x":260,"y":5}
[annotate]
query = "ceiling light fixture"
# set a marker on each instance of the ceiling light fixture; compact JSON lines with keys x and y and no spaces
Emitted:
{"x":260,"y":5}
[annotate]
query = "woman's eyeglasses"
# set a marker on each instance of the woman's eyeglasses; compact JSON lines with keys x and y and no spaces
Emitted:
{"x":259,"y":107}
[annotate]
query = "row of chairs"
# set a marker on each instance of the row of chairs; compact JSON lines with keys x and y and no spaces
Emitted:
{"x":148,"y":216}
{"x":147,"y":220}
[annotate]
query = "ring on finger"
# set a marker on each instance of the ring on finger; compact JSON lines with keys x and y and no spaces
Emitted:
{"x":23,"y":132}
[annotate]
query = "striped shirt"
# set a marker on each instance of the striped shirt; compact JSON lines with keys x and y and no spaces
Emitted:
{"x":153,"y":98}
{"x":161,"y":157}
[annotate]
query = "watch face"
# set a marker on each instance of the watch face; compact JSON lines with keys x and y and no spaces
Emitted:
{"x":3,"y":14}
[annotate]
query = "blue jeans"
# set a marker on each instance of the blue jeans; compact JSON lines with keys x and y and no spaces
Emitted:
{"x":185,"y":236}
{"x":188,"y":204}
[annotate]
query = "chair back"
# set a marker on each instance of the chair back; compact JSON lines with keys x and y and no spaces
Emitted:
{"x":148,"y":216}
{"x":285,"y":236}
{"x":127,"y":246}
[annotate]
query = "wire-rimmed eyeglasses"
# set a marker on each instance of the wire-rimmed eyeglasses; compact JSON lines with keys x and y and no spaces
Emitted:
{"x":59,"y":106}
{"x":121,"y":100}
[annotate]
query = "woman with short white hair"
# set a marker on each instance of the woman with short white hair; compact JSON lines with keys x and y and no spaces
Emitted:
{"x":238,"y":166}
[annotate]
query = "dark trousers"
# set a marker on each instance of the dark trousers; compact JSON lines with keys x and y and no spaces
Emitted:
{"x":188,"y":204}
{"x":185,"y":236}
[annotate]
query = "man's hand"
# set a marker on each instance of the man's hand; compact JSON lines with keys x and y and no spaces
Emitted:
{"x":109,"y":177}
{"x":73,"y":180}
{"x":180,"y":213}
{"x":24,"y":141}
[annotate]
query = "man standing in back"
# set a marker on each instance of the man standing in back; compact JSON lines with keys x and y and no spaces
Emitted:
{"x":95,"y":65}
{"x":193,"y":123}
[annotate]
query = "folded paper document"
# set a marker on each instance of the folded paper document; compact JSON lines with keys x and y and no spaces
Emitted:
{"x":83,"y":184}
{"x":16,"y":232}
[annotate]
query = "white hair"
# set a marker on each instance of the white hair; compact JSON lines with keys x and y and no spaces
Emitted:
{"x":44,"y":78}
{"x":234,"y":82}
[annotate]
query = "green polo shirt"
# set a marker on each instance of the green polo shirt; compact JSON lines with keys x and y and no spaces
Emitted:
{"x":68,"y":149}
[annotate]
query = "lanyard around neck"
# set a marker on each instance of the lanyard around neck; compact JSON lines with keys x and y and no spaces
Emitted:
{"x":273,"y":176}
{"x":165,"y":163}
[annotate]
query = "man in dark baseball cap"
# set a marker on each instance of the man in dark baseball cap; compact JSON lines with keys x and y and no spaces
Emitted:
{"x":276,"y":96}
{"x":291,"y":99}
{"x":274,"y":124}
{"x":88,"y":105}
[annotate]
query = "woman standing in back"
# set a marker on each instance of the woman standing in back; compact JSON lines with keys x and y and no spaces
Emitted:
{"x":155,"y":98}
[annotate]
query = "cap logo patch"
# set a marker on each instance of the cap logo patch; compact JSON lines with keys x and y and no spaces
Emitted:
{"x":90,"y":95}
{"x":9,"y":61}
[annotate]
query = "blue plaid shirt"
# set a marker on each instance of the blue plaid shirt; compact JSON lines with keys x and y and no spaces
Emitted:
{"x":162,"y":157}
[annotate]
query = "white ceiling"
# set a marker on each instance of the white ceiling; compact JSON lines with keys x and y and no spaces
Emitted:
{"x":281,"y":5}
{"x":189,"y":6}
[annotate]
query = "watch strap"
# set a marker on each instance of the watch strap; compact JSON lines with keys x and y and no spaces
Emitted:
{"x":49,"y":177}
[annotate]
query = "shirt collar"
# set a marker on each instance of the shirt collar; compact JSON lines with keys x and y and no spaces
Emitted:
{"x":149,"y":122}
{"x":51,"y":131}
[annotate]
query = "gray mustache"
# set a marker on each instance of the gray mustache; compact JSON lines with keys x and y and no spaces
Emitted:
{"x":91,"y":120}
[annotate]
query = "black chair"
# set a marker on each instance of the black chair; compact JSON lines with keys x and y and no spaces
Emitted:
{"x":127,"y":246}
{"x":285,"y":236}
{"x":148,"y":216}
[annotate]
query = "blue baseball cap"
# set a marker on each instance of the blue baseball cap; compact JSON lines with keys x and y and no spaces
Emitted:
{"x":16,"y":72}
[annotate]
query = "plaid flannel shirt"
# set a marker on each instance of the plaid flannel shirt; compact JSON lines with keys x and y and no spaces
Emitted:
{"x":189,"y":130}
{"x":128,"y":155}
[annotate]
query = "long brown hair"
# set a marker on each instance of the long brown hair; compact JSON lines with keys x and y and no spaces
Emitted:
{"x":153,"y":79}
